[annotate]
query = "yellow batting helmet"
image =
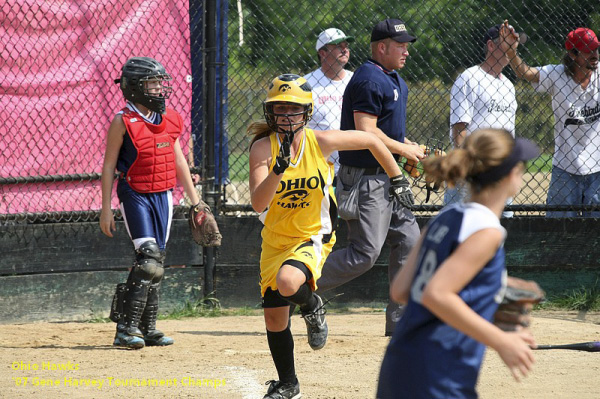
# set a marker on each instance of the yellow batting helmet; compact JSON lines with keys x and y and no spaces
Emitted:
{"x":288,"y":88}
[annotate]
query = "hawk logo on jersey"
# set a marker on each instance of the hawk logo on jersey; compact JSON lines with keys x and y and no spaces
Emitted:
{"x":285,"y":87}
{"x":294,"y":199}
{"x":296,"y":195}
{"x":294,"y":192}
{"x":163,"y":145}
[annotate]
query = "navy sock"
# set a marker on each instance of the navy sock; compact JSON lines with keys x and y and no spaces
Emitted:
{"x":281,"y":345}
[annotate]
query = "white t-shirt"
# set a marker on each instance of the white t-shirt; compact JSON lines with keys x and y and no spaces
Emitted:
{"x":576,"y":119}
{"x":483,"y":101}
{"x":328,"y":96}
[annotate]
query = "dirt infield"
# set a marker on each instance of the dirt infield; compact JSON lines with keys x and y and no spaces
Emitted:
{"x":230,"y":355}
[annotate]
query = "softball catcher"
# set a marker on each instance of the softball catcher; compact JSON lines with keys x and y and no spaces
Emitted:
{"x":143,"y":147}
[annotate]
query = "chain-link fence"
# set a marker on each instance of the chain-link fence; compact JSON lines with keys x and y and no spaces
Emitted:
{"x":58,"y":95}
{"x":59,"y":60}
{"x":268,"y":38}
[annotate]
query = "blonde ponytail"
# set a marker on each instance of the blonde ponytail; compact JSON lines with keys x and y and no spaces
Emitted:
{"x":481,"y":150}
{"x":258,"y":129}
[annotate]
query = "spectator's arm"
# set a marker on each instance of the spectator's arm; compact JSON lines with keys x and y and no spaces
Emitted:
{"x":459,"y":133}
{"x":522,"y":70}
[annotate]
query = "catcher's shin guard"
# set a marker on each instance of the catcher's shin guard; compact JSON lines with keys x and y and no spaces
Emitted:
{"x":150,"y":255}
{"x":147,"y":267}
{"x":135,"y":302}
{"x":152,"y":336}
{"x":116,"y":308}
{"x":128,"y":334}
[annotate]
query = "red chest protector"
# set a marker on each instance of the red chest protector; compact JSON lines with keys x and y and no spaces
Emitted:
{"x":154,"y":168}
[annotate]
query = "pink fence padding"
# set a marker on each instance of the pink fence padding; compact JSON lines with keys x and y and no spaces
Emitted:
{"x":57,"y":91}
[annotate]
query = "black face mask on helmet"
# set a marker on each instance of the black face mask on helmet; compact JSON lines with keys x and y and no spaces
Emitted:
{"x":288,"y":88}
{"x":145,"y":81}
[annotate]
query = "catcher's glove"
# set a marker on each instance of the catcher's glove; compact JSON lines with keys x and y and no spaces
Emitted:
{"x":412,"y":166}
{"x":203,"y":225}
{"x":413,"y":170}
{"x":514,"y":313}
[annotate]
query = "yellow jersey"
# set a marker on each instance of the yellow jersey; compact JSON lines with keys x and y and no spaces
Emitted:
{"x":300,"y":222}
{"x":304,"y":204}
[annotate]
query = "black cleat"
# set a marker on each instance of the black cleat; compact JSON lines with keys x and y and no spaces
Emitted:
{"x":282,"y":390}
{"x":157,"y":338}
{"x":128,"y":341}
{"x":316,"y":325}
{"x":393,"y":314}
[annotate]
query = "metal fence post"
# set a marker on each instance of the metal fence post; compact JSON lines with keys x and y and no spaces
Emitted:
{"x":210,"y":190}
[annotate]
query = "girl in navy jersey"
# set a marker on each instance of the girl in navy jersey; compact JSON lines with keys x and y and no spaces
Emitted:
{"x":454,"y":279}
{"x":143,"y":147}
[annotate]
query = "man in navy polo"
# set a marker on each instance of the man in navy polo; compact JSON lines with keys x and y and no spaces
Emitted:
{"x":375,"y":101}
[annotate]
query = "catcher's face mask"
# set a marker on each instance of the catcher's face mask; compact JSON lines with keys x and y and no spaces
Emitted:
{"x":289,"y":96}
{"x":145,"y":81}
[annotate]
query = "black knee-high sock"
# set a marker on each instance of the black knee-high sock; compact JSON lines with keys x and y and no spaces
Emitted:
{"x":304,"y":298}
{"x":281,"y":345}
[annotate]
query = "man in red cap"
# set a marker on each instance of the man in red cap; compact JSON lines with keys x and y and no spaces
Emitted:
{"x":575,"y":89}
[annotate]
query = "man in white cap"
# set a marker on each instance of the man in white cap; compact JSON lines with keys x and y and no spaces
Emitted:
{"x":329,"y":82}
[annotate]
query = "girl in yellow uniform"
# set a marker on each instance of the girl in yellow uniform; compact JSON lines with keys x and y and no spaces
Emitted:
{"x":291,"y":185}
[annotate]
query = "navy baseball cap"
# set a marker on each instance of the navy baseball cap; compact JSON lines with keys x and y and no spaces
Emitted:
{"x":494,"y":33}
{"x":392,"y":28}
{"x":523,"y":150}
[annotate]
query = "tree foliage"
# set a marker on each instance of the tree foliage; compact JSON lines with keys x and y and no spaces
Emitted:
{"x":280,"y":37}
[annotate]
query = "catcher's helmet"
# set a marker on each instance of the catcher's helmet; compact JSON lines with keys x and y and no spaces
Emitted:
{"x":288,"y":88}
{"x":136,"y":75}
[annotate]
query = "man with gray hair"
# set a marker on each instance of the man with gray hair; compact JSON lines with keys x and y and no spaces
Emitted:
{"x":329,"y":82}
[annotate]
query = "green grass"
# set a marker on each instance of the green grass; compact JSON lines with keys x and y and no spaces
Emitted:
{"x":238,"y":166}
{"x":541,"y":164}
{"x":98,"y":319}
{"x":583,"y":298}
{"x":195,"y":309}
{"x":580,"y":299}
{"x":207,"y":307}
{"x":201,"y":310}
